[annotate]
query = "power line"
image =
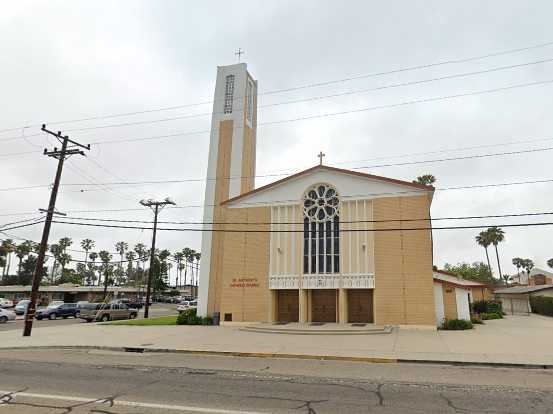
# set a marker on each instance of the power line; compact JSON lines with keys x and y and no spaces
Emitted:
{"x":464,"y":187}
{"x":366,"y":167}
{"x":305,"y":86}
{"x":301,"y":231}
{"x":331,"y":114}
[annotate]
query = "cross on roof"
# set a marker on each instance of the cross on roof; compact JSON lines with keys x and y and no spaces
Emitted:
{"x":321,"y":155}
{"x":239,"y":53}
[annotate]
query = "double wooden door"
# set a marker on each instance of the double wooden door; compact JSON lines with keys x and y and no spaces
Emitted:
{"x":360,"y":306}
{"x":323,"y":305}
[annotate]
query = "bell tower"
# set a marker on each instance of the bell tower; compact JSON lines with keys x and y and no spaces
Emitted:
{"x":231,"y":164}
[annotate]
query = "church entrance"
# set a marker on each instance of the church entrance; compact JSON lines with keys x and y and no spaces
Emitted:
{"x":323,"y":305}
{"x":360,"y":306}
{"x":288,"y":307}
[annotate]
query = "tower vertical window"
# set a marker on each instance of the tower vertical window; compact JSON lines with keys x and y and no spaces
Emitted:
{"x":229,"y":94}
{"x":249,"y":101}
{"x":321,"y":230}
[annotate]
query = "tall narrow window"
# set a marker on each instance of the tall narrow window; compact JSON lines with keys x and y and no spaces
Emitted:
{"x":229,"y":94}
{"x":321,"y":232}
{"x":249,"y":102}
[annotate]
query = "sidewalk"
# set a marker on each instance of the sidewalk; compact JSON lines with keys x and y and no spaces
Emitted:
{"x":514,"y":340}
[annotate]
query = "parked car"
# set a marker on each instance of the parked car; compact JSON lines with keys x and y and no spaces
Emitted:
{"x":130,"y":303}
{"x":6,"y":303}
{"x":21,"y":306}
{"x":107,"y":312}
{"x":6,"y":315}
{"x":186,"y":304}
{"x":64,"y":310}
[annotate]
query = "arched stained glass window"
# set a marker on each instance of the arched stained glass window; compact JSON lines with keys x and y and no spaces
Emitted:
{"x":321,"y":230}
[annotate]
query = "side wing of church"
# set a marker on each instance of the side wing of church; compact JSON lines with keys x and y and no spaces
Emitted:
{"x":323,"y":245}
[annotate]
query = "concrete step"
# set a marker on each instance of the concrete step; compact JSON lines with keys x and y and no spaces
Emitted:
{"x":318,"y":329}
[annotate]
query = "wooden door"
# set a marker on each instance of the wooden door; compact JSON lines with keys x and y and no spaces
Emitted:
{"x":323,"y":305}
{"x":288,"y":306}
{"x":360,"y":306}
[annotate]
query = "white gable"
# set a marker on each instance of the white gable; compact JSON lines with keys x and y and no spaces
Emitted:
{"x":349,"y":187}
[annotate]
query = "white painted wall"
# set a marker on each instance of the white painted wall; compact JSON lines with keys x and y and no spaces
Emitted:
{"x":349,"y":187}
{"x":463,"y":307}
{"x":439,"y":303}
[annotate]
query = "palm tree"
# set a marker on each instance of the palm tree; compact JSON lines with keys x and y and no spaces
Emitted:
{"x":131,"y":257}
{"x":64,"y":243}
{"x":550,"y":263}
{"x":426,"y":179}
{"x":517,"y":262}
{"x":87,"y":245}
{"x":188,"y":254}
{"x":484,"y":240}
{"x":9,"y":247}
{"x":64,"y":259}
{"x":56,"y":250}
{"x":528,"y":265}
{"x":21,"y":251}
{"x":497,"y":235}
{"x":140,"y":250}
{"x":121,"y":247}
{"x":106,"y":257}
{"x":178,"y":257}
{"x":93,"y":256}
{"x":198,"y":256}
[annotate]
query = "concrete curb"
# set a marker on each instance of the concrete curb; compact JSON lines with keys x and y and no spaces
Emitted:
{"x":374,"y":360}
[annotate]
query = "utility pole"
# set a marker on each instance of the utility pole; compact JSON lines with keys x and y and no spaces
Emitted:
{"x":65,"y":152}
{"x":156,"y":207}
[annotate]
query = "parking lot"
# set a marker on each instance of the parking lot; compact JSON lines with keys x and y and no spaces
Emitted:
{"x":157,"y":309}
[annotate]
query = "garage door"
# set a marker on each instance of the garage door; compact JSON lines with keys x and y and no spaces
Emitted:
{"x":323,"y":305}
{"x":288,"y":305}
{"x":360,"y":305}
{"x":515,"y":306}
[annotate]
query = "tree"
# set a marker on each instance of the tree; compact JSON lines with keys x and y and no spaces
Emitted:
{"x":517,"y":262}
{"x":107,"y":269}
{"x":528,"y":265}
{"x":9,"y":247}
{"x":64,"y":243}
{"x":3,"y":262}
{"x":426,"y":179}
{"x":178,"y":257}
{"x":484,"y":240}
{"x":87,"y":245}
{"x":550,"y":263}
{"x":22,"y":250}
{"x":198,"y":256}
{"x":93,"y":256}
{"x":497,"y":235}
{"x":64,"y":259}
{"x":56,"y":250}
{"x":141,"y":256}
{"x":477,"y":271}
{"x":131,"y":257}
{"x":121,"y":247}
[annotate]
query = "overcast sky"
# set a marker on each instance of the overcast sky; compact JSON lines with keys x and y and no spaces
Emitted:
{"x":63,"y":60}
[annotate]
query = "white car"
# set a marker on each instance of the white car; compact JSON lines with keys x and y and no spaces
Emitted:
{"x":6,"y":303}
{"x":6,"y":315}
{"x":185,"y":304}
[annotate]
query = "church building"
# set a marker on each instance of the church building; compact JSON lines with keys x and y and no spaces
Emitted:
{"x":322,"y":245}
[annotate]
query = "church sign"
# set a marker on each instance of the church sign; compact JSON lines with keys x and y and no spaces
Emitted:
{"x":244,"y":282}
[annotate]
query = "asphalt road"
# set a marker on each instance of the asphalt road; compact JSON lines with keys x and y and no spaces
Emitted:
{"x":157,"y":309}
{"x":109,"y":382}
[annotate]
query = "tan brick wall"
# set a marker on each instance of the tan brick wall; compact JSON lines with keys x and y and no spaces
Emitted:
{"x":403,"y":263}
{"x":221,"y":194}
{"x":244,"y":277}
{"x":450,"y":301}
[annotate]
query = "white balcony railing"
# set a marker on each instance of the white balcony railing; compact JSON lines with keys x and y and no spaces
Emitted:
{"x":323,"y":281}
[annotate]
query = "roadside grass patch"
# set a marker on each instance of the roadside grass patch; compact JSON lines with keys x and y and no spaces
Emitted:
{"x":161,"y":320}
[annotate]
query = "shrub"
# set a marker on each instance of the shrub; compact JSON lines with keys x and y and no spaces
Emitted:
{"x":189,"y":317}
{"x":486,"y":306}
{"x":456,"y":325}
{"x":491,"y":315}
{"x":476,"y":320}
{"x":542,"y":305}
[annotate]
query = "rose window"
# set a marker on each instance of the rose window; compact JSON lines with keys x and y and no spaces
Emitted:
{"x":321,"y":203}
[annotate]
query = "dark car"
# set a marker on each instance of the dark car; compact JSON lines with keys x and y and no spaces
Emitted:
{"x":64,"y":310}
